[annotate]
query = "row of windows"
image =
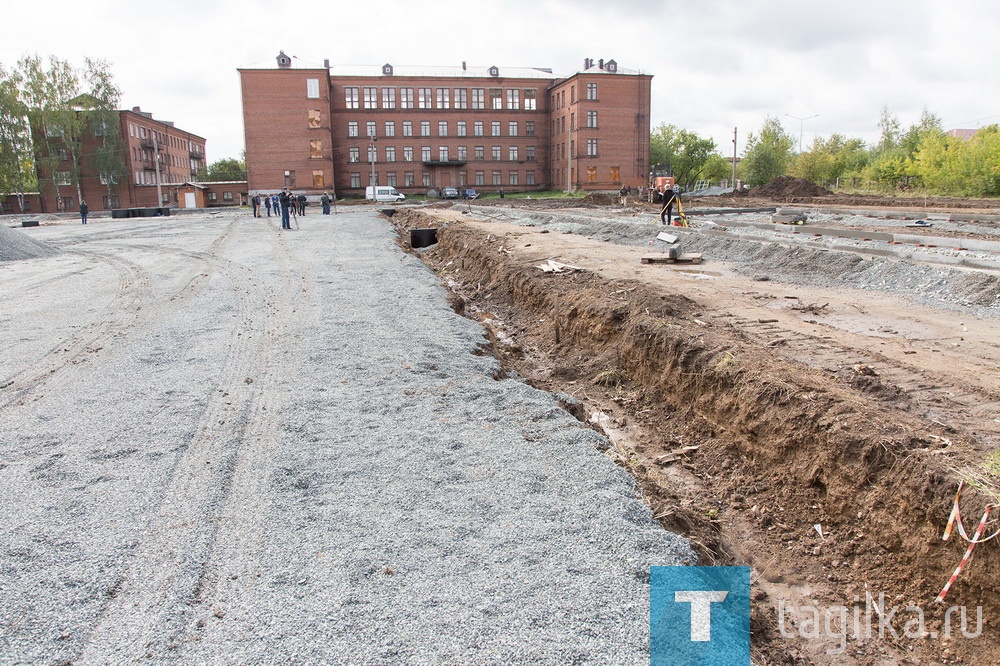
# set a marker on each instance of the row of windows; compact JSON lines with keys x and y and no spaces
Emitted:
{"x":444,"y":153}
{"x":443,"y":128}
{"x":141,"y":154}
{"x":559,"y":124}
{"x":141,"y":132}
{"x":559,"y":98}
{"x":318,"y":179}
{"x":614,"y":175}
{"x":479,"y":178}
{"x":511,"y":99}
{"x":559,"y":149}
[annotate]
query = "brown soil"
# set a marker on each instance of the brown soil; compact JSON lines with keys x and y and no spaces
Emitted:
{"x":748,"y":421}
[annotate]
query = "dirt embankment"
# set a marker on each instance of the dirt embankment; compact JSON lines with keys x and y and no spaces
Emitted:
{"x":742,"y":451}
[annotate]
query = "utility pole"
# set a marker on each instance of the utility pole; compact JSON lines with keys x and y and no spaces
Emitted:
{"x":801,"y":123}
{"x":373,"y":156}
{"x":734,"y":159}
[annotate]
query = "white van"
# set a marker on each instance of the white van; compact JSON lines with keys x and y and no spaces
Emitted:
{"x":383,"y":193}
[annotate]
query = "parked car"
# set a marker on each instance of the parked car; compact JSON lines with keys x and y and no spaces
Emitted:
{"x":449,"y":193}
{"x":470,"y":194}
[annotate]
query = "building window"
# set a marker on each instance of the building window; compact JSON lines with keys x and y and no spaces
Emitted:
{"x":315,"y":149}
{"x":425,"y":128}
{"x":212,"y":196}
{"x":496,"y":153}
{"x":373,"y":179}
{"x":512,"y":128}
{"x":460,"y":128}
{"x":407,"y":153}
{"x":480,"y":178}
{"x":529,"y":128}
{"x":407,"y":128}
{"x":312,"y":88}
{"x":372,"y":154}
{"x":512,"y":153}
{"x":479,"y":98}
{"x":591,"y":174}
{"x":354,"y":154}
{"x":442,"y":128}
{"x":408,"y":179}
{"x":227,"y":196}
{"x":289,"y":179}
{"x":315,"y":119}
{"x":529,"y":99}
{"x":616,"y":176}
{"x":461,"y":98}
{"x":423,"y":98}
{"x":592,"y":91}
{"x":463,"y":178}
{"x":355,"y":180}
{"x":443,"y":153}
{"x":443,"y":98}
{"x":388,"y":98}
{"x":390,"y":128}
{"x":498,"y":178}
{"x":529,"y":153}
{"x":463,"y":153}
{"x":406,"y":98}
{"x":529,"y":178}
{"x":496,"y":98}
{"x":61,"y":177}
{"x":371,"y":97}
{"x":591,"y":147}
{"x":477,"y":128}
{"x":425,"y":153}
{"x":65,"y":203}
{"x":480,"y":153}
{"x":390,"y":179}
{"x":370,"y":128}
{"x":112,"y":201}
{"x":495,"y":128}
{"x":426,"y":178}
{"x":592,"y":119}
{"x":351,"y":97}
{"x":390,"y":153}
{"x":512,"y":178}
{"x":513,"y":99}
{"x":319,"y":182}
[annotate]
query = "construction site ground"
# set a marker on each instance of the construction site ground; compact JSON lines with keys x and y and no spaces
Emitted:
{"x":227,"y":442}
{"x":803,"y":403}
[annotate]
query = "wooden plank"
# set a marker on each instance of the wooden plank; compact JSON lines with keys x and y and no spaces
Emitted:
{"x":691,"y":258}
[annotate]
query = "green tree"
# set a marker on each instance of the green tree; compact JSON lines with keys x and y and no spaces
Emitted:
{"x":768,"y":154}
{"x":17,"y":172}
{"x":225,"y":169}
{"x":683,"y":151}
{"x":716,"y":167}
{"x":831,"y":159}
{"x":103,"y":122}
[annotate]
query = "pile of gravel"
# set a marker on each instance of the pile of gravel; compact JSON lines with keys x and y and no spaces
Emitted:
{"x":15,"y":245}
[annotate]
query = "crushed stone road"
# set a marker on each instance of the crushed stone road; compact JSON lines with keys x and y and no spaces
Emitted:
{"x":224,"y":441}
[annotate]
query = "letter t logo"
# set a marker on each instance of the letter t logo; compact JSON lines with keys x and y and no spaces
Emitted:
{"x":701,"y":611}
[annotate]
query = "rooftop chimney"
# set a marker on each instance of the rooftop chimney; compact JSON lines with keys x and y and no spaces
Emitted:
{"x":600,"y":63}
{"x":326,"y":63}
{"x":136,"y":109}
{"x":463,"y":65}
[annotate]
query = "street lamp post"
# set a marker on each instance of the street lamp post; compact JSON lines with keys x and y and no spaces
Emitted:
{"x":801,"y":123}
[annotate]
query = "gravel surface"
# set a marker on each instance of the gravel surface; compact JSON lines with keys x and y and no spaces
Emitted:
{"x":800,"y":259}
{"x":16,"y":245}
{"x":227,"y":443}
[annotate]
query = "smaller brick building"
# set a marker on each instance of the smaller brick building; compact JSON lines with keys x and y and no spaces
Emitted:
{"x":154,"y":152}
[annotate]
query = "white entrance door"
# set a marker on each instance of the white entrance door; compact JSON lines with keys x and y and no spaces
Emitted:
{"x":189,"y":199}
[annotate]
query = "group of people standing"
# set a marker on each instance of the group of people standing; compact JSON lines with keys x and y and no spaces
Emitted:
{"x":285,"y":204}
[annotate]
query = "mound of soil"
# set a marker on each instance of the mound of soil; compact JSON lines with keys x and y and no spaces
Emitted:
{"x":15,"y":245}
{"x":786,"y":186}
{"x":600,"y":198}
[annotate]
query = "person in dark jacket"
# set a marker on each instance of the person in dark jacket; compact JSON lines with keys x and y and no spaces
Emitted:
{"x":325,"y":201}
{"x":84,"y":210}
{"x":285,"y":199}
{"x":267,"y":204}
{"x":669,"y":196}
{"x":302,"y":204}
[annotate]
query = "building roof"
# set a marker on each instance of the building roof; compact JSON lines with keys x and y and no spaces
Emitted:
{"x":457,"y":72}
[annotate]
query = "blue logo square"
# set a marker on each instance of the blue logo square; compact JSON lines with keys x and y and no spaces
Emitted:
{"x":699,"y":615}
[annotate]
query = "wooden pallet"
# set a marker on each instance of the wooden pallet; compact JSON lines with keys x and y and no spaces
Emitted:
{"x":689,"y":258}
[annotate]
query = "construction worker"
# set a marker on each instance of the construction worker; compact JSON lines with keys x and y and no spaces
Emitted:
{"x":623,"y":195}
{"x":669,"y":196}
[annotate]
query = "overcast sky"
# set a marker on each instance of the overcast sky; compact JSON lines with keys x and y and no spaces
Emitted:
{"x":716,"y":64}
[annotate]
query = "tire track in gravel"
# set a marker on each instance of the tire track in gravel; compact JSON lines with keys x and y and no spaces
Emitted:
{"x":132,"y":303}
{"x":134,"y":292}
{"x":212,"y":503}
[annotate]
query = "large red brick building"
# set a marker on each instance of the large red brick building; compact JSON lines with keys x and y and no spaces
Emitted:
{"x":319,"y":128}
{"x":155,"y":151}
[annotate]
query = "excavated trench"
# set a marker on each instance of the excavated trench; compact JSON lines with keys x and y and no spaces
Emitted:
{"x":757,"y":460}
